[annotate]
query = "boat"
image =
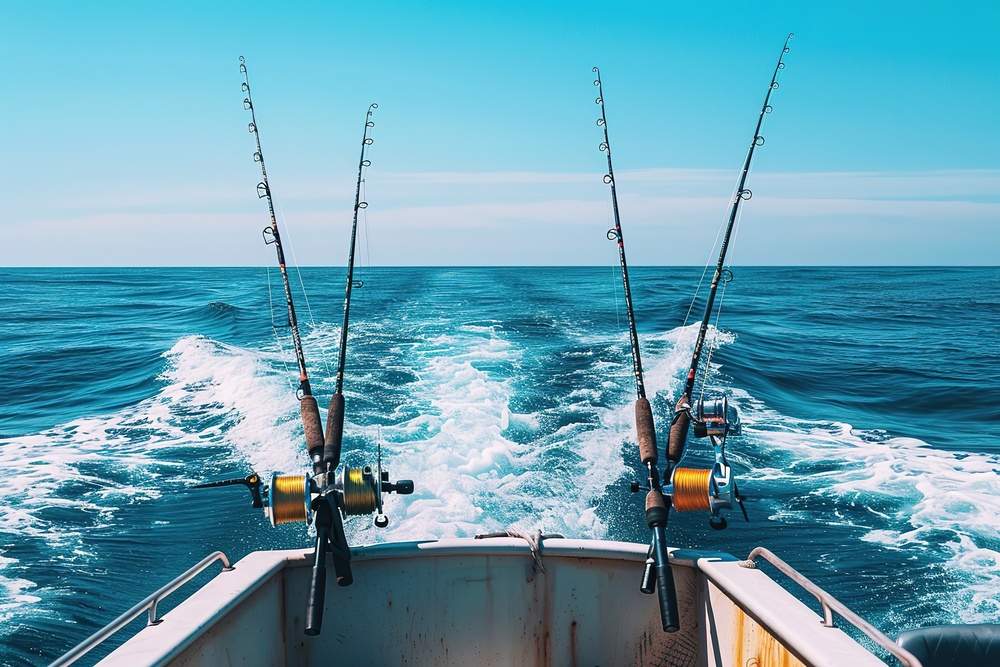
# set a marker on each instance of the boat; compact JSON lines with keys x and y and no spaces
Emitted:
{"x":530,"y":600}
{"x":513,"y":598}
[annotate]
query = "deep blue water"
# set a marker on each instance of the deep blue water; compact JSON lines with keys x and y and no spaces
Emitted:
{"x":870,"y":397}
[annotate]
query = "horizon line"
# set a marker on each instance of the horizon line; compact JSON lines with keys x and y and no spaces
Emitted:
{"x":500,"y":266}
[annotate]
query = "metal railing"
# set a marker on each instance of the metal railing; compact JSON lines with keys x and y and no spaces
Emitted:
{"x":831,"y":604}
{"x":149,"y":604}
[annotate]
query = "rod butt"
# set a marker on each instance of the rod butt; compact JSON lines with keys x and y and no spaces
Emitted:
{"x":317,"y":589}
{"x":665,"y":591}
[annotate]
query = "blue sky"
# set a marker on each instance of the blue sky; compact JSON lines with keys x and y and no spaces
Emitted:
{"x":125,"y":139}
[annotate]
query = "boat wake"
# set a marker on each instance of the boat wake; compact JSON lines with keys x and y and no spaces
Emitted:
{"x":452,"y":413}
{"x":65,"y":483}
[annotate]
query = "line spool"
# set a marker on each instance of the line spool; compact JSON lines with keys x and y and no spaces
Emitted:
{"x":288,"y":499}
{"x":360,"y":492}
{"x":692,"y":489}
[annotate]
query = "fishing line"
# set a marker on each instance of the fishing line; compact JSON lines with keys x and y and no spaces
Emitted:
{"x":714,"y":343}
{"x":682,"y":410}
{"x":727,"y":278}
{"x":614,"y":291}
{"x":366,"y":231}
{"x":295,"y":265}
{"x":302,"y":286}
{"x":274,"y":330}
{"x":708,"y":257}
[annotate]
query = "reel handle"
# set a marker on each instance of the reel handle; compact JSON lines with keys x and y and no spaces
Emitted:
{"x":251,"y":481}
{"x":402,"y":487}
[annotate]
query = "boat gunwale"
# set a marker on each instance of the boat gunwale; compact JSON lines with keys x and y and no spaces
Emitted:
{"x":787,"y":624}
{"x":197,"y":614}
{"x":195,"y":618}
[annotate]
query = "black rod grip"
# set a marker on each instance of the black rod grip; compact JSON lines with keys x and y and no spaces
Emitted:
{"x":341,"y":550}
{"x":311,"y":424}
{"x":665,"y":590}
{"x":645,"y":431}
{"x":317,"y":588}
{"x":679,"y":430}
{"x":334,"y":432}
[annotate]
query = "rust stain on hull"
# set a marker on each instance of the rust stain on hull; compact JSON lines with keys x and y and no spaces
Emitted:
{"x":754,"y":646}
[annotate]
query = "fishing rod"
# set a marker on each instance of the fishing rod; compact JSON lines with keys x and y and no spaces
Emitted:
{"x":657,"y":576}
{"x":307,"y":402}
{"x":333,"y":492}
{"x":715,"y":489}
{"x":344,"y":490}
{"x":335,"y":416}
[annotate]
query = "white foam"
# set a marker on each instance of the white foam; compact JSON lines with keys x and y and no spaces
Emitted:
{"x":473,"y":479}
{"x":470,"y":477}
{"x":944,"y":504}
{"x":455,"y":450}
{"x":14,"y":595}
{"x":223,"y":388}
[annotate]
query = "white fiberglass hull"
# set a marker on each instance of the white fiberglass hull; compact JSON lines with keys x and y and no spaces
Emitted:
{"x":486,"y":602}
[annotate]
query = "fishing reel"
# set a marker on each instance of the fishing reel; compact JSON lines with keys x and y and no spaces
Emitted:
{"x":715,"y":417}
{"x":289,"y":498}
{"x":708,"y":489}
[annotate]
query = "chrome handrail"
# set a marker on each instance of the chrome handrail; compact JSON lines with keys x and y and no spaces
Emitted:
{"x":148,"y":604}
{"x":831,"y":604}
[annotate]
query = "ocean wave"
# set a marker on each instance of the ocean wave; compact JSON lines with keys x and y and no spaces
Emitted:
{"x":942,"y":504}
{"x":479,"y":464}
{"x":466,"y":471}
{"x":16,"y":593}
{"x":65,"y":481}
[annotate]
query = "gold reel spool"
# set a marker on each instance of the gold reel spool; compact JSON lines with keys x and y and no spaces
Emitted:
{"x":288,"y":499}
{"x":360,"y":491}
{"x":692,"y":489}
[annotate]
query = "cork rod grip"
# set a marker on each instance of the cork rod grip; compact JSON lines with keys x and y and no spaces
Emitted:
{"x":334,"y":431}
{"x":645,"y":431}
{"x":679,"y":430}
{"x":311,"y":423}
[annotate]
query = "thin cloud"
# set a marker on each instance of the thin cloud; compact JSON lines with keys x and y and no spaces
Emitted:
{"x":485,"y":217}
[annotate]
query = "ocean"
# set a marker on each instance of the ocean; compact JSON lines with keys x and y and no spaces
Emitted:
{"x":870,"y":399}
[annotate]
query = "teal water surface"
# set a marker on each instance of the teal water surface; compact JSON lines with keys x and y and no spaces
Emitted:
{"x":871,"y":446}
